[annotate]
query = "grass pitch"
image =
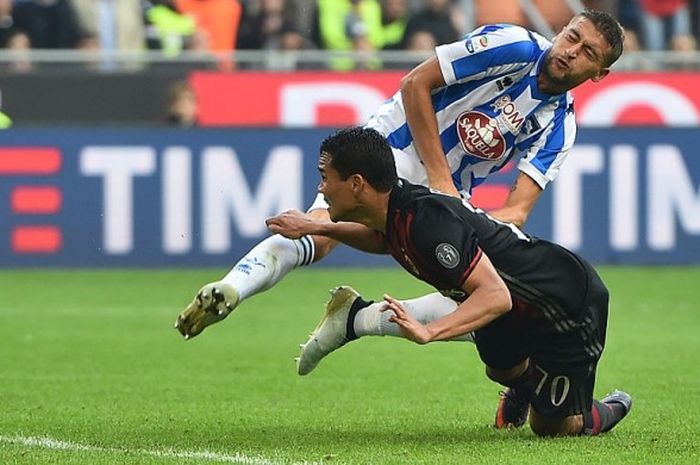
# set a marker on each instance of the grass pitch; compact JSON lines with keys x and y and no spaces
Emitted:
{"x":93,"y":373}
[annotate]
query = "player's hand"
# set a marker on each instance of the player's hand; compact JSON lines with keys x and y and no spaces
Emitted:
{"x":411,"y":327}
{"x":292,"y":224}
{"x":446,"y":187}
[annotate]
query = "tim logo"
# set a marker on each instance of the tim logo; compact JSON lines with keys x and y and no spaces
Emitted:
{"x":33,"y":200}
{"x":480,"y":135}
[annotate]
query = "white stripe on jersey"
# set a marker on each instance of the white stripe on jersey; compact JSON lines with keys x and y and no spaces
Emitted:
{"x":513,"y":228}
{"x":491,"y":109}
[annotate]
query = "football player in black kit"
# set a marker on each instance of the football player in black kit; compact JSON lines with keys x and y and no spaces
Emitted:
{"x":537,"y":310}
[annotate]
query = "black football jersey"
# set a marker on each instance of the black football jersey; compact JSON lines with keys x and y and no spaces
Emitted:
{"x":439,"y":239}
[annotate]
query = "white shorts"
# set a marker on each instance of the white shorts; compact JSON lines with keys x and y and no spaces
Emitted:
{"x":408,"y":167}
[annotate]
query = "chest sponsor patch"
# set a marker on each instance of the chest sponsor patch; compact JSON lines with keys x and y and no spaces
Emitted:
{"x":447,"y":255}
{"x":480,"y":136}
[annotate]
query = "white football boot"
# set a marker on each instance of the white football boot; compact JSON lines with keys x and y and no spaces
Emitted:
{"x":213,"y":303}
{"x":331,"y":332}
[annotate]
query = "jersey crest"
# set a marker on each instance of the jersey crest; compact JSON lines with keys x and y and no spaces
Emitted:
{"x":447,"y":255}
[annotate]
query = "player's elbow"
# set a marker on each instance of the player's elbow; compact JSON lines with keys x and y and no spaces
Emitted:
{"x":514,"y":215}
{"x":520,"y":217}
{"x":413,"y":82}
{"x":501,"y":301}
{"x":407,"y":84}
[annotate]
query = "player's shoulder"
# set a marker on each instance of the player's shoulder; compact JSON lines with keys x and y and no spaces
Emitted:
{"x":433,"y":210}
{"x":504,"y":33}
{"x":517,"y":42}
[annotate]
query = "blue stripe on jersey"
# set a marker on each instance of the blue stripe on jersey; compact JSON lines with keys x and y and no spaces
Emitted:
{"x":555,"y":140}
{"x":475,"y":182}
{"x":401,"y":137}
{"x":450,"y":94}
{"x":515,"y":52}
{"x":449,"y":138}
{"x":489,"y":28}
{"x":525,"y":143}
{"x":457,"y":175}
{"x":502,"y":163}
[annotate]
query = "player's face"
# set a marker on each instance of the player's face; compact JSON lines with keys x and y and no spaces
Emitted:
{"x":578,"y":53}
{"x":337,"y":192}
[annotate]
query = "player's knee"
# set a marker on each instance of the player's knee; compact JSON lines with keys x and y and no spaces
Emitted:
{"x":544,"y":426}
{"x":503,"y":376}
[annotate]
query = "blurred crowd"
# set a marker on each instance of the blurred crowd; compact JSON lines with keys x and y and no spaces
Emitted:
{"x":205,"y":26}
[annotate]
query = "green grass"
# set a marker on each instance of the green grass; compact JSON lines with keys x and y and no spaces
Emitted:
{"x":90,"y":358}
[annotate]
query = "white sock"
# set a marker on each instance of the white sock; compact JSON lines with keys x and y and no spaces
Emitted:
{"x":268,"y":262}
{"x":371,"y":321}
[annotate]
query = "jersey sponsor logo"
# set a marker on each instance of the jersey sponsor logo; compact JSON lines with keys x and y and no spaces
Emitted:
{"x":476,"y":44}
{"x":480,"y":135}
{"x":508,"y":113}
{"x":447,"y":255}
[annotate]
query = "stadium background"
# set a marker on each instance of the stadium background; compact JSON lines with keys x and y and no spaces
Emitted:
{"x":163,"y":154}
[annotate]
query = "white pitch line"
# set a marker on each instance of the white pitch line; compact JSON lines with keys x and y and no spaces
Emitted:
{"x":57,"y":444}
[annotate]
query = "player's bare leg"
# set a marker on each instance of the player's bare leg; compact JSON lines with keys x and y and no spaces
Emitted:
{"x":514,"y":404}
{"x":259,"y":270}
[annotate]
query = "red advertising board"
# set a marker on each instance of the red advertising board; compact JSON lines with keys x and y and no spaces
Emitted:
{"x":303,"y":99}
{"x":315,"y":99}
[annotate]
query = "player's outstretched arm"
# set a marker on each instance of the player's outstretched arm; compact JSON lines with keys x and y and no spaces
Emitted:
{"x":416,"y":88}
{"x":488,"y":299}
{"x":294,"y":224}
{"x":520,"y":202}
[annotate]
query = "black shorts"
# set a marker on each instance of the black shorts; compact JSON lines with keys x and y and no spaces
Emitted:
{"x":563,"y":359}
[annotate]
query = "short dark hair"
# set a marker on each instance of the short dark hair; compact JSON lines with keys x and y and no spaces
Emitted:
{"x":610,"y":28}
{"x":362,"y":151}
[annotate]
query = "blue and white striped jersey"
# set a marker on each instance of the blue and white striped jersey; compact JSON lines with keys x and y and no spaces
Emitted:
{"x":491,"y":108}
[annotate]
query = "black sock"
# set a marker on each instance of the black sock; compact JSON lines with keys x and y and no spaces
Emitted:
{"x":356,"y":306}
{"x":602,"y":417}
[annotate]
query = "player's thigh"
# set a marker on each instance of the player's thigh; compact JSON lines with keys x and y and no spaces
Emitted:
{"x":501,"y":344}
{"x":561,"y":392}
{"x":319,"y":211}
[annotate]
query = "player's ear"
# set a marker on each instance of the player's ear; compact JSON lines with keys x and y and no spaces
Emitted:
{"x":356,"y":182}
{"x":601,"y":74}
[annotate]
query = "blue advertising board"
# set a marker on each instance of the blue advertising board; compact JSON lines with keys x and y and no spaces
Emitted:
{"x":165,"y":197}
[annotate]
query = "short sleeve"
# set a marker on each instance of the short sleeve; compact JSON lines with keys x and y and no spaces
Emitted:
{"x":548,"y":152}
{"x":489,"y":50}
{"x":447,"y":245}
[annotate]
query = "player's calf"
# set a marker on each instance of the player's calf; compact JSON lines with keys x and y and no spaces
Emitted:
{"x":607,"y":413}
{"x":514,"y":404}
